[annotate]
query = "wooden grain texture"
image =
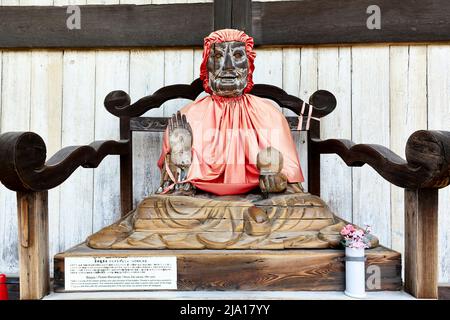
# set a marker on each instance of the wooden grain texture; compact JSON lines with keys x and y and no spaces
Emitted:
{"x":241,"y":15}
{"x":178,"y":68}
{"x":328,"y":23}
{"x":159,"y":124}
{"x":334,"y":75}
{"x":45,"y":120}
{"x":287,"y":270}
{"x":112,"y":73}
{"x":32,"y":211}
{"x":130,"y":26}
{"x":124,"y":26}
{"x":222,"y":14}
{"x":45,"y":116}
{"x":138,"y":2}
{"x":291,"y":84}
{"x":76,"y":209}
{"x":408,"y":111}
{"x":15,"y":115}
{"x":308,"y":85}
{"x":146,"y":76}
{"x":269,"y":68}
{"x":370,"y":124}
{"x":421,"y":243}
{"x":81,"y":179}
{"x":438,"y":80}
{"x":438,"y":109}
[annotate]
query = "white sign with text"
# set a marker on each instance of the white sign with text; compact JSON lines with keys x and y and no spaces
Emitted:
{"x":120,"y":273}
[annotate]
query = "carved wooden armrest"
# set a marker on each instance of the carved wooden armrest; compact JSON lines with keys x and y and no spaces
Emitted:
{"x":23,"y":166}
{"x":427,"y":163}
{"x":425,"y":170}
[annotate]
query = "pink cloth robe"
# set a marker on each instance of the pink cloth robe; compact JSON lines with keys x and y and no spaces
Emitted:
{"x":228,"y":133}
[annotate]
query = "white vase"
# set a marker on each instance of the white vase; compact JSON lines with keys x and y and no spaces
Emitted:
{"x":355,"y":273}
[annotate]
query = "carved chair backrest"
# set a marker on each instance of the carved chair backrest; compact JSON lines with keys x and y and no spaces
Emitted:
{"x":320,"y":104}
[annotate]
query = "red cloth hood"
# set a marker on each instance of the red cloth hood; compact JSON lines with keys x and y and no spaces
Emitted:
{"x":227,"y":35}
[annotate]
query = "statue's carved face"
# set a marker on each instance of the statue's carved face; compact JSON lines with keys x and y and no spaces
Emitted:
{"x":228,"y":68}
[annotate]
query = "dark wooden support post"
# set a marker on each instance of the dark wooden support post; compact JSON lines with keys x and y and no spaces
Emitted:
{"x":222,"y":14}
{"x":235,"y":14}
{"x":313,"y":160}
{"x":126,"y":169}
{"x":32,"y":208}
{"x":241,"y":16}
{"x":421,"y":242}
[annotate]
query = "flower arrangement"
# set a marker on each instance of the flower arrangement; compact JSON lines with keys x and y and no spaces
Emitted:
{"x":355,"y":238}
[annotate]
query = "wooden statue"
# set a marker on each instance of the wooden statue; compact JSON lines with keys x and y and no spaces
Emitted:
{"x":230,"y":174}
{"x":188,"y":216}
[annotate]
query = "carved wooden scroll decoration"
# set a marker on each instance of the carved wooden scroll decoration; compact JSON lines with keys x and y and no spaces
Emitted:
{"x":22,"y":155}
{"x":427,"y":154}
{"x":119,"y":103}
{"x":23,"y":166}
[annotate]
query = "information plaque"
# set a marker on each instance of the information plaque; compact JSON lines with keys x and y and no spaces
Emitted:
{"x":120,"y":273}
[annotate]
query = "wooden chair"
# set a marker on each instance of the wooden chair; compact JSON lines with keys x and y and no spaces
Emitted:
{"x":24,"y":169}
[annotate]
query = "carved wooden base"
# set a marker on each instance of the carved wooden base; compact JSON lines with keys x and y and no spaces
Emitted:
{"x":284,"y":270}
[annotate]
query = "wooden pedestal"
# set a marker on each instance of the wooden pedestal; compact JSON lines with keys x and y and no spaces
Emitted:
{"x":281,"y":270}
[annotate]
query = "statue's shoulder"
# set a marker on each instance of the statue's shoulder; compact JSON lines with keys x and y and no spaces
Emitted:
{"x":196,"y":104}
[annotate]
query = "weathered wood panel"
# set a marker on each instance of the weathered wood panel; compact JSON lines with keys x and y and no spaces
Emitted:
{"x":78,"y":127}
{"x":408,"y":112}
{"x":32,"y":211}
{"x":284,"y":270}
{"x":122,"y":26}
{"x":370,"y":124}
{"x":334,"y":75}
{"x":139,"y":26}
{"x":269,"y":69}
{"x":437,"y":105}
{"x":291,"y":84}
{"x":45,"y":120}
{"x":15,"y":116}
{"x":112,"y":72}
{"x":308,"y":85}
{"x":439,"y":118}
{"x":178,"y":68}
{"x":146,"y":76}
{"x":326,"y":22}
{"x":421,"y":243}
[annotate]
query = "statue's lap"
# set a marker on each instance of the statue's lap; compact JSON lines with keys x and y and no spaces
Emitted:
{"x":289,"y":220}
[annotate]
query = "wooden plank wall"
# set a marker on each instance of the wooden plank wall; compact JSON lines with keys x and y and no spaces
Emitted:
{"x":384,"y":94}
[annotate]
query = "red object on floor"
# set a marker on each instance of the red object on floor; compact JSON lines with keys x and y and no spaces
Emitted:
{"x":3,"y":288}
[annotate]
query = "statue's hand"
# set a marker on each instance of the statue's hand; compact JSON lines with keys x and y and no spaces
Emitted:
{"x":273,"y":182}
{"x":180,"y":140}
{"x":270,"y":162}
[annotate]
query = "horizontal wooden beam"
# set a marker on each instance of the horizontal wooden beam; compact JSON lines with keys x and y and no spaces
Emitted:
{"x":106,"y":26}
{"x":321,"y":22}
{"x":307,"y":22}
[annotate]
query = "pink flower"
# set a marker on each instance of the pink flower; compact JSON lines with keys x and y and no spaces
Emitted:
{"x":358,"y":245}
{"x":359,"y":233}
{"x":355,"y":238}
{"x":348,"y":229}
